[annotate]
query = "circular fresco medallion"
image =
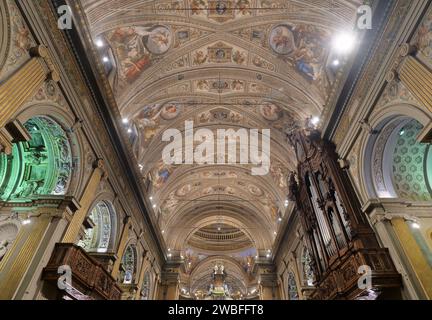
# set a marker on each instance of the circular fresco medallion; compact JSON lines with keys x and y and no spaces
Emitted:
{"x":170,"y":111}
{"x":159,"y":40}
{"x":270,"y":111}
{"x":282,"y":40}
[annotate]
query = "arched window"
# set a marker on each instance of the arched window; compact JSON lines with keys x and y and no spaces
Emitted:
{"x":41,"y":166}
{"x":400,"y":166}
{"x":128,"y":266}
{"x":146,"y":286}
{"x":292,"y":287}
{"x":100,"y":237}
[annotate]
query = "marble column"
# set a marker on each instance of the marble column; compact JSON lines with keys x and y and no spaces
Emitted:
{"x":38,"y":216}
{"x":122,"y":246}
{"x":72,"y":232}
{"x":21,"y":86}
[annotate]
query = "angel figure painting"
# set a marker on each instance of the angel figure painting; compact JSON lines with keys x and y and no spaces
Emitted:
{"x":135,"y":47}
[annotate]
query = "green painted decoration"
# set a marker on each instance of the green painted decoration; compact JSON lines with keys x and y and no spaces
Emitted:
{"x":41,"y":166}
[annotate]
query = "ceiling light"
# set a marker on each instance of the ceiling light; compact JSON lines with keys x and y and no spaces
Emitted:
{"x":336,"y":62}
{"x":169,"y":255}
{"x":163,"y":231}
{"x":99,"y":43}
{"x":151,"y":198}
{"x":280,"y":219}
{"x":344,"y":42}
{"x":26,"y":221}
{"x":125,"y":120}
{"x":105,"y":59}
{"x":154,"y":206}
{"x":315,"y":120}
{"x":268,"y":255}
{"x":169,"y":249}
{"x":129,"y":130}
{"x":219,"y":228}
{"x":415,"y":225}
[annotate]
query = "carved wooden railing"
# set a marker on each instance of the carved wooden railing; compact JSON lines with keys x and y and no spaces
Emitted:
{"x":89,"y":279}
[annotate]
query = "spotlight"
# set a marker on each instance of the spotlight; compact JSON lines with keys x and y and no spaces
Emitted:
{"x":154,"y":206}
{"x":129,"y":130}
{"x":105,"y":59}
{"x":125,"y":120}
{"x":280,"y":219}
{"x":344,"y":43}
{"x":99,"y":43}
{"x":169,"y":255}
{"x":315,"y":120}
{"x":275,"y":233}
{"x":26,"y":221}
{"x":163,"y":231}
{"x":336,"y":62}
{"x":151,"y":198}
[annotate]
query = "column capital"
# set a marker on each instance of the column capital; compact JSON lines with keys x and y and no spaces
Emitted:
{"x":100,"y":164}
{"x":41,"y":51}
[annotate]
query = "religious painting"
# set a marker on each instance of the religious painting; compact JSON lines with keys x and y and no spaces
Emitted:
{"x":221,"y":10}
{"x":220,"y":53}
{"x":170,"y":111}
{"x":134,"y":48}
{"x":304,"y":46}
{"x":424,"y":37}
{"x":159,"y":40}
{"x":270,"y":111}
{"x":161,"y":174}
{"x":282,"y":40}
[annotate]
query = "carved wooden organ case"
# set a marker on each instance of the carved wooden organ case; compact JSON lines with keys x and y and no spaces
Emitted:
{"x":338,"y":234}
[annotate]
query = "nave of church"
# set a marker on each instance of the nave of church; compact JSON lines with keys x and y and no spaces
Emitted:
{"x":215,"y":150}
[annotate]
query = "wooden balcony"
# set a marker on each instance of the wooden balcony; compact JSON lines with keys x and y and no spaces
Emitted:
{"x":90,"y":281}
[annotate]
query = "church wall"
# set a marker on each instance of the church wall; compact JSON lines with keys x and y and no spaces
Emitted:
{"x":387,"y":101}
{"x":68,"y":103}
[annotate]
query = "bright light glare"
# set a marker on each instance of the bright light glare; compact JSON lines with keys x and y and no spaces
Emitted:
{"x":315,"y":121}
{"x":344,"y":43}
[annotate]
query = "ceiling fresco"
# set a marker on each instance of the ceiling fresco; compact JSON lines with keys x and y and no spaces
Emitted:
{"x":221,"y":64}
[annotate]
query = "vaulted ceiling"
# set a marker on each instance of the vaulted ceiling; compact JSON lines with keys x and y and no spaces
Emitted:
{"x":222,"y":64}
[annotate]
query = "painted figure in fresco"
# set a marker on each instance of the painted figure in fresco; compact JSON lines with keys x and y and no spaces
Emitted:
{"x":197,"y":6}
{"x":239,"y":57}
{"x":200,"y":57}
{"x":131,"y":53}
{"x":424,"y":38}
{"x":282,"y":40}
{"x":243,"y":7}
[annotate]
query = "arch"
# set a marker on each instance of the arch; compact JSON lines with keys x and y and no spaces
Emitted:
{"x":40,"y":166}
{"x":395,"y":164}
{"x":147,"y":285}
{"x":129,"y":265}
{"x":66,"y":121}
{"x":293,"y":293}
{"x":102,"y":236}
